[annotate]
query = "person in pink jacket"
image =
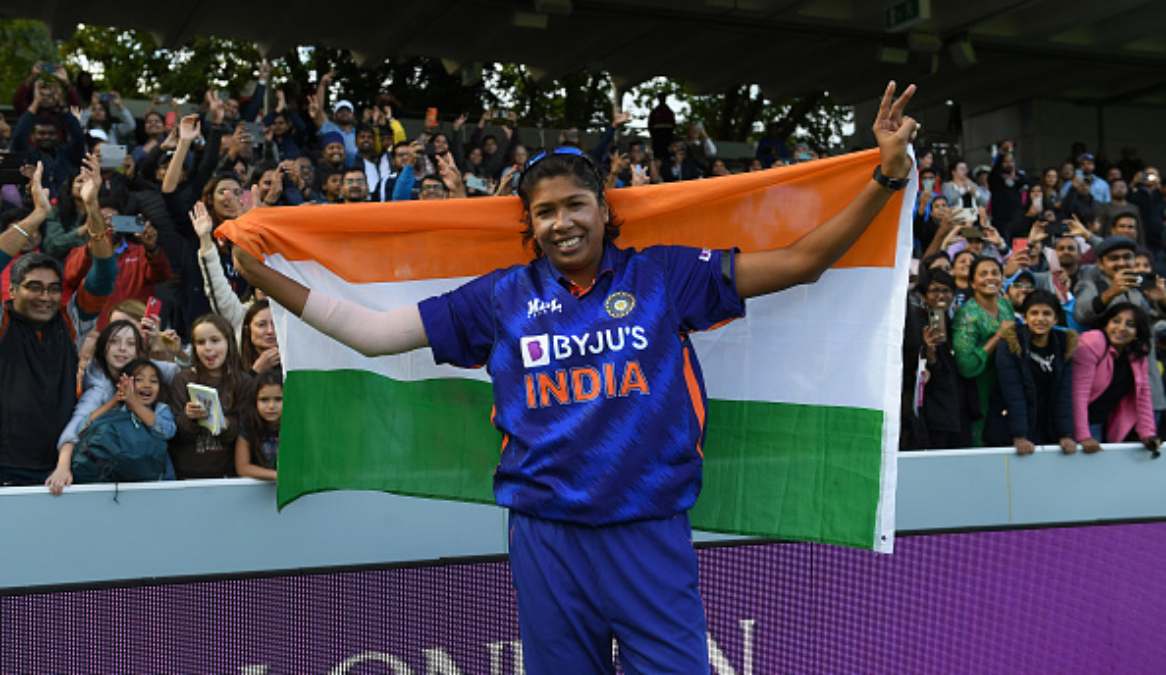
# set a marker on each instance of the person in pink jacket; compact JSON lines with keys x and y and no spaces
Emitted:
{"x":1111,"y":386}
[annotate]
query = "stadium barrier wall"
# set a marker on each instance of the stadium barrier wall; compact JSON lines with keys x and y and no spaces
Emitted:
{"x":105,"y":533}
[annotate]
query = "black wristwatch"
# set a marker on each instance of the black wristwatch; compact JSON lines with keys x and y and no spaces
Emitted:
{"x":887,"y":182}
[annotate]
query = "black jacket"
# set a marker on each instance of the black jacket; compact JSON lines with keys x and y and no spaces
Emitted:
{"x":1016,"y":416}
{"x":949,"y":403}
{"x":38,"y":378}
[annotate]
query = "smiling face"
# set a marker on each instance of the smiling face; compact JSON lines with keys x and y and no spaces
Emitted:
{"x":1040,"y":319}
{"x":38,"y":295}
{"x":210,"y":346}
{"x":961,"y":265}
{"x":121,"y":349}
{"x":263,"y":330}
{"x":568,"y":222}
{"x":986,"y":280}
{"x":269,"y":402}
{"x":225,"y":200}
{"x":1121,"y":329}
{"x":146,"y":385}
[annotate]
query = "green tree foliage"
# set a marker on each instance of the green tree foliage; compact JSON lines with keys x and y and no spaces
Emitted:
{"x":134,"y":64}
{"x":22,"y":44}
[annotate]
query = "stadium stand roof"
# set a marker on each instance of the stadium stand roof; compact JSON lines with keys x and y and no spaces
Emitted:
{"x":984,"y":53}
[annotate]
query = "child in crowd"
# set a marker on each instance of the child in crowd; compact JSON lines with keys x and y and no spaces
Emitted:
{"x":117,"y":345}
{"x":125,"y":439}
{"x":258,"y":443}
{"x":197,"y":453}
{"x":1036,"y":380}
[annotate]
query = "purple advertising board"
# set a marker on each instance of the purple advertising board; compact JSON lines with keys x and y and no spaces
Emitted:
{"x":1063,"y":600}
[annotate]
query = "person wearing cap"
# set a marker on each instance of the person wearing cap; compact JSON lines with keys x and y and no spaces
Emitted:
{"x":1097,"y":186}
{"x":343,"y":119}
{"x":1017,"y":288}
{"x":332,"y":153}
{"x":1111,"y":282}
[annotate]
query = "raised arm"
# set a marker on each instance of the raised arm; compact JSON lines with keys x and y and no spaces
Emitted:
{"x":370,"y":332}
{"x":188,"y":130}
{"x":806,"y":259}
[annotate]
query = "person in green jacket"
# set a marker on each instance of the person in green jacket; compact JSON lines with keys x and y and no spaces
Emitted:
{"x":979,"y":325}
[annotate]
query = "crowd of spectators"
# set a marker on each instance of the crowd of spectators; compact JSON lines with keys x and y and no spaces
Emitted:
{"x":123,"y":314}
{"x":130,"y":348}
{"x":1037,"y":315}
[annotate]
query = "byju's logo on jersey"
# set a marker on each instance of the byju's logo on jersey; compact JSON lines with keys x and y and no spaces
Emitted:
{"x":536,"y":307}
{"x":536,"y":350}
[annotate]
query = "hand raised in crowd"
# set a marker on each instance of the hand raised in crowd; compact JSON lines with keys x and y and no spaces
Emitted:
{"x":264,"y":69}
{"x":620,"y":118}
{"x":1023,"y":446}
{"x":39,"y":193}
{"x":267,"y":360}
{"x":313,"y":106}
{"x":251,"y":199}
{"x":201,"y":220}
{"x":640,"y":176}
{"x":1076,"y":228}
{"x":1017,"y":261}
{"x":992,"y":236}
{"x":459,"y":122}
{"x":215,"y":109}
{"x":189,"y":129}
{"x":275,"y":190}
{"x":280,"y":100}
{"x":61,"y":74}
{"x":893,"y":130}
{"x":291,"y":171}
{"x":171,"y":141}
{"x":451,"y":176}
{"x":91,"y":180}
{"x":75,"y":111}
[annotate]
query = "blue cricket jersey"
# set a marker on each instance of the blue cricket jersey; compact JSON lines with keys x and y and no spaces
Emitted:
{"x":598,"y":393}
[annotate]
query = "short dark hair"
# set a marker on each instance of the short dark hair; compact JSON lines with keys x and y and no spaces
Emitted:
{"x":1125,"y":214}
{"x":935,"y":276}
{"x":582,"y":169}
{"x":34,"y":261}
{"x":982,"y":260}
{"x":361,"y":126}
{"x":140,"y":363}
{"x":1042,"y":297}
{"x":432,"y":177}
{"x":353,"y":169}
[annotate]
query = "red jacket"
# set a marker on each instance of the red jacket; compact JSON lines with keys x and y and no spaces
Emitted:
{"x":137,"y":273}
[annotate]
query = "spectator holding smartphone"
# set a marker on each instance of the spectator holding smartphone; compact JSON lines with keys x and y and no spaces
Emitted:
{"x":1111,"y":381}
{"x":1036,"y":382}
{"x":935,"y":410}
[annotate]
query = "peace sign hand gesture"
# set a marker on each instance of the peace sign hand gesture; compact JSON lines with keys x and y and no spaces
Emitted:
{"x":894,"y":131}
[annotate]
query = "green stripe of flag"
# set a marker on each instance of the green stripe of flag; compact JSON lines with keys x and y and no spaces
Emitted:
{"x":815,"y":468}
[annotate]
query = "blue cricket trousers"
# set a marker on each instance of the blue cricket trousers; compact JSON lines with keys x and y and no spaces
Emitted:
{"x":579,"y":586}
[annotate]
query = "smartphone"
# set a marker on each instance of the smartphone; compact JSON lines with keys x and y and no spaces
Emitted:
{"x":112,"y":155}
{"x":935,"y":322}
{"x":431,"y":117}
{"x":1148,"y":281}
{"x":1055,"y":229}
{"x":255,"y":130}
{"x":477,"y":184}
{"x":128,"y":224}
{"x":154,"y":309}
{"x":1019,"y":244}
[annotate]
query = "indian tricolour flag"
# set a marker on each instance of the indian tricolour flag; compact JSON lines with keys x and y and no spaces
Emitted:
{"x":803,"y":416}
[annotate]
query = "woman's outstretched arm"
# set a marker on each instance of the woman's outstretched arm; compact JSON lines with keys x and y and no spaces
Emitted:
{"x":370,"y":332}
{"x":805,"y":260}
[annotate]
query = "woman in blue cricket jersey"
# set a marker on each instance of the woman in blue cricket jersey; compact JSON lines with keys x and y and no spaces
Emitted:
{"x":586,"y":367}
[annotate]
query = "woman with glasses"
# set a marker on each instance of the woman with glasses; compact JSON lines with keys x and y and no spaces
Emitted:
{"x":599,"y":483}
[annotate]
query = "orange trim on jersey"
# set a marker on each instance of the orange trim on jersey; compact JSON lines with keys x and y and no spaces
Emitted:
{"x":505,"y":437}
{"x":694,"y":393}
